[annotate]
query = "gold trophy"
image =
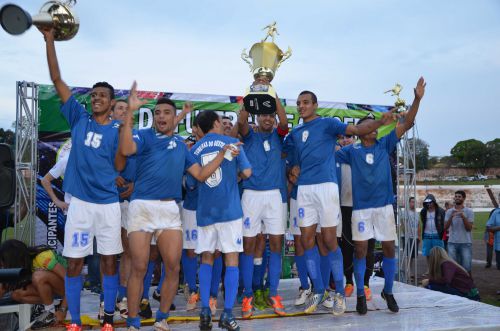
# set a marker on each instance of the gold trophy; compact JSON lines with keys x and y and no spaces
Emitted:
{"x":59,"y":15}
{"x":400,"y":104}
{"x":260,"y":97}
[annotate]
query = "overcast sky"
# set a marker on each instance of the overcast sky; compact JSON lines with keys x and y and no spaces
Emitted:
{"x":345,"y":51}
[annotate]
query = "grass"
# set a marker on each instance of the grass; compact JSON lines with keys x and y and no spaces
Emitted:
{"x":491,"y":301}
{"x":495,"y":181}
{"x":480,"y":219}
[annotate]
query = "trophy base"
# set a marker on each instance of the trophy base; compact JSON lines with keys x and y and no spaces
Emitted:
{"x":260,"y":99}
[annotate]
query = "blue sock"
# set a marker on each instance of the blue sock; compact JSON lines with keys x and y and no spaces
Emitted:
{"x":313,"y":269}
{"x":257,"y":274}
{"x":134,"y":321}
{"x":101,"y":295}
{"x":216,"y":277}
{"x":274,"y":273}
{"x":73,"y":287}
{"x":122,"y":292}
{"x":359,"y":275}
{"x":337,"y":266}
{"x":110,"y":289}
{"x":189,"y":266}
{"x":205,"y":278}
{"x":160,"y":316}
{"x":247,"y":268}
{"x":300,"y":262}
{"x":389,"y":268}
{"x":324,"y":266}
{"x":148,"y":277}
{"x":231,"y":287}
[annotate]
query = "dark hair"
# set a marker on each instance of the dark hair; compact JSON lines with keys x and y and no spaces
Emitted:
{"x":411,"y":198}
{"x":166,"y":101}
{"x":370,"y":116}
{"x":462,"y":193}
{"x":206,"y":120}
{"x":15,"y":254}
{"x":106,"y":85}
{"x":226,"y":117}
{"x":195,"y":121}
{"x":313,"y":96}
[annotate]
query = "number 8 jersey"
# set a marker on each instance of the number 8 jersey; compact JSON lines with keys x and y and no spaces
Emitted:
{"x":90,"y":173}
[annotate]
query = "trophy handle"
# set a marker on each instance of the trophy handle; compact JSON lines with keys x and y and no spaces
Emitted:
{"x":245,"y":57}
{"x":286,"y":55}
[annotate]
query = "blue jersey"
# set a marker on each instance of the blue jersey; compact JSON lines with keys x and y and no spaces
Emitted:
{"x":371,"y":172}
{"x":218,"y":197}
{"x":128,"y":174}
{"x":191,"y":198}
{"x":284,"y":182}
{"x":161,"y":163}
{"x":315,"y":142}
{"x":90,"y":174}
{"x":264,"y":153}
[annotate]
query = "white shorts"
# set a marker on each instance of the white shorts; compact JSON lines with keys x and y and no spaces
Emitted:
{"x":189,"y":228}
{"x":318,"y":204}
{"x":293,"y":225}
{"x":124,"y":213}
{"x":225,"y":237}
{"x":375,"y":223}
{"x":262,"y":207}
{"x":86,"y":220}
{"x":153,"y":216}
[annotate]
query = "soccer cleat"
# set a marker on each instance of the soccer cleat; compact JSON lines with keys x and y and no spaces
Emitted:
{"x":368,"y":293}
{"x":100,"y":314}
{"x":391,"y":302}
{"x":205,"y":320}
{"x":156,"y":295}
{"x":107,"y":327}
{"x":145,"y":309}
{"x":328,"y":303}
{"x":161,"y":325}
{"x":123,"y":307}
{"x":313,"y":301}
{"x":44,"y":321}
{"x":302,"y":296}
{"x":192,"y":300}
{"x":132,"y":328}
{"x":338,"y":304}
{"x":259,"y":301}
{"x":276,"y":304}
{"x":246,"y":308}
{"x":228,"y":322}
{"x":361,"y":307}
{"x":36,"y":311}
{"x":349,"y":288}
{"x":73,"y":327}
{"x":213,"y":305}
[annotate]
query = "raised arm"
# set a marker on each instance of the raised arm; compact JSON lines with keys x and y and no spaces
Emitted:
{"x":282,"y":119}
{"x":370,"y":126}
{"x":242,"y":124}
{"x":409,"y":118}
{"x":127,"y":145}
{"x":186,"y":109}
{"x":55,"y":75}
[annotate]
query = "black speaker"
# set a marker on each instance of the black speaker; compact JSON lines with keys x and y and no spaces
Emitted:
{"x":7,"y":176}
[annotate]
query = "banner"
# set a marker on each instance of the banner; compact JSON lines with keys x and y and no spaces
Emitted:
{"x":54,"y":136}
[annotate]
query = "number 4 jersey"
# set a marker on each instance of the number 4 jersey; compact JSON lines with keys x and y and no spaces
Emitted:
{"x":90,"y":173}
{"x":218,"y":196}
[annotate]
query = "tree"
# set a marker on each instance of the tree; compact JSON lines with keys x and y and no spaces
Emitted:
{"x":449,"y":161}
{"x":493,"y":148}
{"x":433,"y":160}
{"x":421,"y":154}
{"x":6,"y":136}
{"x":472,"y":153}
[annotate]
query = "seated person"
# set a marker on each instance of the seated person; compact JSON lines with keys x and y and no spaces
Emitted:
{"x":447,"y":276}
{"x":45,"y":280}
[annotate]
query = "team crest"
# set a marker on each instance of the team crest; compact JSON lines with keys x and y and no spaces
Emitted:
{"x":369,"y":158}
{"x":267,"y":146}
{"x":305,"y":135}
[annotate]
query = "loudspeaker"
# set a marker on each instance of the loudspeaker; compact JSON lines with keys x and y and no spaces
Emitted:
{"x":7,"y":176}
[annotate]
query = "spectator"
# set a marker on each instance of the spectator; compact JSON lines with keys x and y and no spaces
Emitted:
{"x":446,"y":233}
{"x":446,"y":276}
{"x":411,"y":233}
{"x":459,"y":220}
{"x":432,"y":218}
{"x":489,"y":239}
{"x":493,"y":227}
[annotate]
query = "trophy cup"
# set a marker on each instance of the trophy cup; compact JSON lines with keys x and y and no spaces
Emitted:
{"x":15,"y":20}
{"x":260,"y":97}
{"x":400,"y":104}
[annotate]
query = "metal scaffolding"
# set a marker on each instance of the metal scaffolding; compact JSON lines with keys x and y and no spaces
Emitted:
{"x":26,"y":161}
{"x":406,"y":187}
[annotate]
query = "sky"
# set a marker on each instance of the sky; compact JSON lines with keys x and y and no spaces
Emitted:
{"x":344,"y":51}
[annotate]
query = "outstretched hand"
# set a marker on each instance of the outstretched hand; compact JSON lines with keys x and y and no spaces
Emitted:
{"x":134,"y":102}
{"x":187,"y":107}
{"x":48,"y":32}
{"x":419,"y":90}
{"x":390,"y":116}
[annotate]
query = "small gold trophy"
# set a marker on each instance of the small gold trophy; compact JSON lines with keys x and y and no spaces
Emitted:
{"x":400,"y":104}
{"x":260,"y":97}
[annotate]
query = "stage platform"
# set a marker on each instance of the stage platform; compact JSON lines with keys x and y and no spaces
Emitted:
{"x":420,"y":309}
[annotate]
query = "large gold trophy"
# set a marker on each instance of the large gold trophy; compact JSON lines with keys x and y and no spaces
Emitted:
{"x":260,"y":97}
{"x":58,"y":15}
{"x":400,"y":104}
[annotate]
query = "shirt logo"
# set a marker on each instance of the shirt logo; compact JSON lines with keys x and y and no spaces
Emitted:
{"x":172,"y":144}
{"x":369,"y":158}
{"x":238,"y":241}
{"x":305,"y":135}
{"x":267,"y":146}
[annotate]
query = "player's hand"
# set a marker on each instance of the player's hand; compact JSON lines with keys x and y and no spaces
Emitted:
{"x":120,"y":181}
{"x":62,"y":205}
{"x":293,"y":174}
{"x":390,"y":116}
{"x":48,"y":32}
{"x":419,"y":90}
{"x":128,"y":192}
{"x":187,"y":107}
{"x":234,"y":148}
{"x":134,"y":102}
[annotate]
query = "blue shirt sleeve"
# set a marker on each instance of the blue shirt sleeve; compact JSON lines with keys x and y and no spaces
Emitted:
{"x":140,"y":137}
{"x":491,"y":221}
{"x":249,"y":135}
{"x":343,"y":155}
{"x":288,"y":145}
{"x":243,"y":162}
{"x":335,"y":127}
{"x":390,"y":141}
{"x":73,"y":111}
{"x":190,"y":160}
